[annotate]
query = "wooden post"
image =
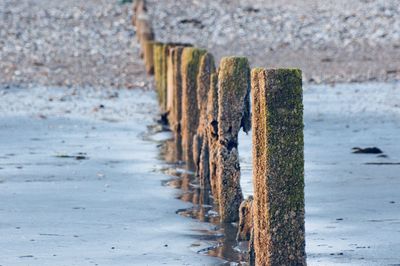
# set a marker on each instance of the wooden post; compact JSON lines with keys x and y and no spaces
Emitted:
{"x":190,"y":115}
{"x":278,"y":167}
{"x":210,"y":147}
{"x":207,"y":67}
{"x":175,"y":115}
{"x":157,"y":56}
{"x":233,"y":114}
{"x":160,"y":72}
{"x":161,"y":54}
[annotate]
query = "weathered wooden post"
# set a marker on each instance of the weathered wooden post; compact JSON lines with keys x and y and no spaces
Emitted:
{"x":157,"y":52}
{"x":278,"y":167}
{"x":207,"y":67}
{"x":174,"y":83}
{"x":190,"y":115}
{"x":161,"y":54}
{"x":160,"y":75}
{"x":175,"y":115}
{"x":210,"y":146}
{"x":233,"y":114}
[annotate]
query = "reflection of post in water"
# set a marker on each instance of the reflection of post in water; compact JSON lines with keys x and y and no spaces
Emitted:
{"x":170,"y":151}
{"x":226,"y":246}
{"x":185,"y":186}
{"x":193,"y":194}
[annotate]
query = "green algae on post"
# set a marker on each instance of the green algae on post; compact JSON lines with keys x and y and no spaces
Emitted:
{"x":233,"y":92}
{"x":161,"y":51}
{"x":278,"y":167}
{"x":190,"y":115}
{"x":160,"y":73}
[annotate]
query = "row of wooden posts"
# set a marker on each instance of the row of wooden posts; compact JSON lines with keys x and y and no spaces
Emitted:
{"x":205,"y":107}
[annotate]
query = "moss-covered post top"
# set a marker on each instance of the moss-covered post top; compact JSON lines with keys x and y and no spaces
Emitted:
{"x":234,"y":65}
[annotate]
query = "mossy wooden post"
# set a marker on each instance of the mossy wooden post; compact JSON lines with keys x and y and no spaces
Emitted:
{"x":157,"y":56}
{"x":207,"y":67}
{"x":174,"y":83}
{"x":211,"y":145}
{"x":190,"y":115}
{"x":164,"y":90}
{"x":164,"y":81}
{"x":160,"y":54}
{"x":175,"y":115}
{"x":278,"y":167}
{"x":233,"y":113}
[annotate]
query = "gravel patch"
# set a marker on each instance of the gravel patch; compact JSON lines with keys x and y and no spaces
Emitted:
{"x":332,"y":41}
{"x":68,"y":43}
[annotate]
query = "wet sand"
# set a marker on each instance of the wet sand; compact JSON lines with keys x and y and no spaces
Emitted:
{"x":80,"y":185}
